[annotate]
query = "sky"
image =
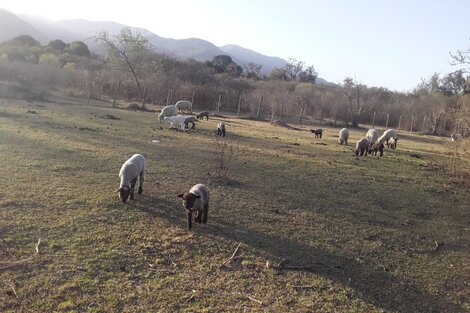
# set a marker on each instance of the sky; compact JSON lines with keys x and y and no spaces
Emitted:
{"x":383,"y":43}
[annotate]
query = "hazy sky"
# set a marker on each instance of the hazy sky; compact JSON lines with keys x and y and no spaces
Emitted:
{"x":380,"y":43}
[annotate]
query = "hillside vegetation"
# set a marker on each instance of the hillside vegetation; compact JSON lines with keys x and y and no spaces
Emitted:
{"x":318,"y":229}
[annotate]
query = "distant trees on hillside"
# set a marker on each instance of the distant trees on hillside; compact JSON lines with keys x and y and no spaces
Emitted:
{"x":131,"y":70}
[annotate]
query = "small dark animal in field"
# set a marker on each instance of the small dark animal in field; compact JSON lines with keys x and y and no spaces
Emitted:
{"x":131,"y":170}
{"x":392,"y":143}
{"x":378,"y":146}
{"x":196,"y":199}
{"x":361,"y":147}
{"x":202,"y":114}
{"x":318,"y":132}
{"x":190,"y":119}
{"x":221,"y":129}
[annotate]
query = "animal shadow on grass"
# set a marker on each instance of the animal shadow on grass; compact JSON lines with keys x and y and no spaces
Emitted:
{"x":373,"y":285}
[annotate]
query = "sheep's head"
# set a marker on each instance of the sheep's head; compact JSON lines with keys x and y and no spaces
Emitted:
{"x":188,"y":199}
{"x":341,"y":140}
{"x":124,"y":193}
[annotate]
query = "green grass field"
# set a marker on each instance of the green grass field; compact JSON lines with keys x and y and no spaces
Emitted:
{"x":352,"y":234}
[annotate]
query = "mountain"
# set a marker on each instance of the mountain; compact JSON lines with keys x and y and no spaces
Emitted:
{"x":12,"y":26}
{"x":246,"y":56}
{"x":45,"y":30}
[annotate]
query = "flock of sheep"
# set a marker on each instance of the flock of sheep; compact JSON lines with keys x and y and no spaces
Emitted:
{"x":197,"y":198}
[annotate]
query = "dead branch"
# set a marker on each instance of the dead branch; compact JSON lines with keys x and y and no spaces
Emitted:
{"x":437,"y":246}
{"x":281,"y":266}
{"x":233,"y":257}
{"x":255,"y":300}
{"x":13,"y":288}
{"x":37,"y":246}
{"x":303,"y":287}
{"x":15,"y":263}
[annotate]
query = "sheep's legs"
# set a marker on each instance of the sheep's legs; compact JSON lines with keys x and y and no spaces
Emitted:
{"x":133,"y":182}
{"x":204,"y":213}
{"x":198,"y":218}
{"x":141,"y":182}
{"x":190,"y":222}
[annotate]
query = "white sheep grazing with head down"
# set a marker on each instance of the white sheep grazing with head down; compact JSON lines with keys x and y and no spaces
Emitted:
{"x":343,"y":136}
{"x":372,"y":135}
{"x":456,"y":137}
{"x":174,"y":120}
{"x":389,"y":133}
{"x":131,"y":170}
{"x":362,"y":146}
{"x":196,"y":199}
{"x":169,"y":110}
{"x":184,"y":106}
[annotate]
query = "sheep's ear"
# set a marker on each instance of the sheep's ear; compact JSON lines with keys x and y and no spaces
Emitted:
{"x":180,"y":195}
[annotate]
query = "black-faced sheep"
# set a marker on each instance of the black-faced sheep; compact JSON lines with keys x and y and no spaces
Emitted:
{"x":343,"y":136}
{"x":372,"y":135}
{"x":169,"y":110}
{"x":196,"y":199}
{"x":318,"y":132}
{"x":190,"y":119}
{"x":362,"y":147}
{"x":202,"y":114}
{"x":390,"y":133}
{"x":184,"y":106}
{"x":221,"y":129}
{"x":131,"y":170}
{"x":392,"y":143}
{"x":378,"y":146}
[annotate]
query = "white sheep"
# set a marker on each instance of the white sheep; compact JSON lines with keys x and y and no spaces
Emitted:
{"x":221,"y":129}
{"x":184,"y":106}
{"x":174,"y":120}
{"x":169,"y":110}
{"x":372,"y":135}
{"x":343,"y":136}
{"x":190,"y":119}
{"x":362,"y":146}
{"x":130,"y":170}
{"x":390,"y":133}
{"x":196,"y":199}
{"x":456,"y":137}
{"x":392,"y":143}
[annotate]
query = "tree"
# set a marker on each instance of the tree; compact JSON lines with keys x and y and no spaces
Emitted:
{"x":308,"y":75}
{"x":24,"y":41}
{"x":357,"y":96}
{"x":224,"y":64}
{"x":128,"y":52}
{"x":79,"y":48}
{"x":294,"y":67}
{"x":57,"y":45}
{"x":252,"y":70}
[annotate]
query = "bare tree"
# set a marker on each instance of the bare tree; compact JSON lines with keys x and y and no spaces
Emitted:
{"x":357,"y":96}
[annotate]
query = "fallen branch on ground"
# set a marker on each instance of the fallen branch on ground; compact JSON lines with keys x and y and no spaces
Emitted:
{"x":233,"y":257}
{"x":255,"y":300}
{"x":281,"y":266}
{"x":303,"y":287}
{"x":37,"y":246}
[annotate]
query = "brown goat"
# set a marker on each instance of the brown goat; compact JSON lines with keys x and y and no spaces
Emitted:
{"x":317,"y":132}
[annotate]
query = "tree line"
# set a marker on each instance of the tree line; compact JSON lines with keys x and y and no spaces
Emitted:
{"x":129,"y":69}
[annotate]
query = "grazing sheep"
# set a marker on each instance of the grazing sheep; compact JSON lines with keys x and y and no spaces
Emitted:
{"x":378,"y":146}
{"x":178,"y":119}
{"x":190,"y":119}
{"x":169,"y":110}
{"x":202,"y":114}
{"x":343,"y":136}
{"x":130,"y":170}
{"x":221,"y":129}
{"x":196,"y":199}
{"x":456,"y":137}
{"x":184,"y":106}
{"x":361,"y":146}
{"x":372,"y":135}
{"x":392,"y":143}
{"x":390,"y":133}
{"x":317,"y":132}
